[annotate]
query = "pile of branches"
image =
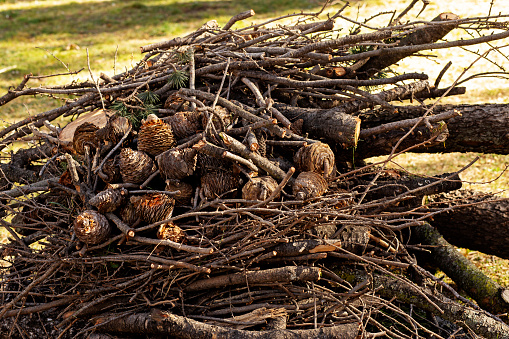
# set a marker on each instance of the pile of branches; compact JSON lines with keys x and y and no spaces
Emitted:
{"x":218,"y":189}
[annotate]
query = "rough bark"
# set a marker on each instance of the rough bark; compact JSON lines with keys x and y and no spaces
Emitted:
{"x":477,"y":221}
{"x":479,"y":128}
{"x":336,"y":126}
{"x":181,"y":327}
{"x":280,"y":274}
{"x":425,"y":35}
{"x":486,"y":292}
{"x":476,"y":320}
{"x":430,"y":185}
{"x":382,"y":144}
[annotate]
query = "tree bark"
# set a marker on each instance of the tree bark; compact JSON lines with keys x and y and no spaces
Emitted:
{"x":486,"y":292}
{"x":479,"y":128}
{"x":477,"y":221}
{"x":180,"y":327}
{"x":425,"y":35}
{"x":280,"y":274}
{"x":430,"y":185}
{"x":336,"y":126}
{"x":388,"y":287}
{"x":382,"y":144}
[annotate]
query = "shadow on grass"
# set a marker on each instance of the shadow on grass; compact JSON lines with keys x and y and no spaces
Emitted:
{"x":125,"y":16}
{"x":67,"y":29}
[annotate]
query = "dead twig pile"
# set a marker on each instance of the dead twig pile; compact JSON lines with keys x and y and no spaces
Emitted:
{"x":209,"y":192}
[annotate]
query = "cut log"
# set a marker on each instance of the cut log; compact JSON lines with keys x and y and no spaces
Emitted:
{"x":464,"y":130}
{"x":335,"y":126}
{"x":478,"y":221}
{"x":98,"y":117}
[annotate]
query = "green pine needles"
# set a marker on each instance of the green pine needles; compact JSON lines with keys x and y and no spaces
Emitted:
{"x":132,"y":110}
{"x":178,"y":79}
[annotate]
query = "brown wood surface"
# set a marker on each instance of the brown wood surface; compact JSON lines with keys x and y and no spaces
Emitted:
{"x":478,"y":221}
{"x":480,"y":128}
{"x":424,"y":35}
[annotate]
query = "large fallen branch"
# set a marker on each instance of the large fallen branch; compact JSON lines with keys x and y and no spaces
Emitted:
{"x":477,"y":321}
{"x":488,"y":294}
{"x":473,"y":220}
{"x":463,"y":130}
{"x":170,"y":324}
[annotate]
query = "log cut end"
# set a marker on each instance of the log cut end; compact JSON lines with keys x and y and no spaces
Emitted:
{"x":448,"y":16}
{"x":505,"y":295}
{"x":91,"y":227}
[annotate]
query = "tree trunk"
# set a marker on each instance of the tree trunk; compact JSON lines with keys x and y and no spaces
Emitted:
{"x":382,"y":144}
{"x":479,"y":128}
{"x":478,"y":222}
{"x":487,"y":293}
{"x":389,"y":287}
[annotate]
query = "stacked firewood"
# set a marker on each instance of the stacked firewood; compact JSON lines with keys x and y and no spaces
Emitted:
{"x":216,"y":188}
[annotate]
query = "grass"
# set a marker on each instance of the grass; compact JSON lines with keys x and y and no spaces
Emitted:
{"x":48,"y":37}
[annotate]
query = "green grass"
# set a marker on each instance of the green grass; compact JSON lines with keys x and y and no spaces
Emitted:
{"x":39,"y":37}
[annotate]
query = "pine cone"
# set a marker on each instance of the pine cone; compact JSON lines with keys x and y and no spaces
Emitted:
{"x":91,"y":227}
{"x":135,"y":166}
{"x":128,"y":214}
{"x":108,"y":200}
{"x":84,"y":135}
{"x":206,"y":163}
{"x":155,"y":136}
{"x":172,"y":232}
{"x":317,"y":157}
{"x":309,"y":185}
{"x":216,"y":183}
{"x":177,"y":163}
{"x":153,"y":207}
{"x":186,"y":191}
{"x":111,"y":170}
{"x":175,"y":103}
{"x":259,"y":188}
{"x":185,"y":124}
{"x":221,"y":119}
{"x":115,"y":129}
